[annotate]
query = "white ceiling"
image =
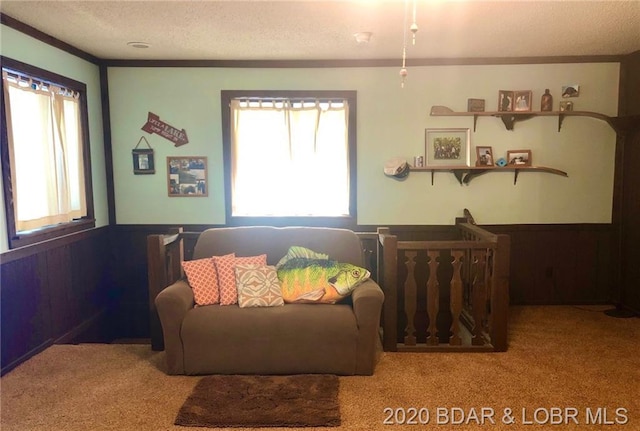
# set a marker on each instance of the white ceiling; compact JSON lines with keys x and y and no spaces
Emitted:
{"x":323,"y":30}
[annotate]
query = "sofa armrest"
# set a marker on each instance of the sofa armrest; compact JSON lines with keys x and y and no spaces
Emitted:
{"x":367,"y":303}
{"x":172,"y":304}
{"x":367,"y":307}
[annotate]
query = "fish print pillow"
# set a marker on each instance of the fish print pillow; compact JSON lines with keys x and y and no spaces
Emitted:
{"x":297,"y":251}
{"x":317,"y":280}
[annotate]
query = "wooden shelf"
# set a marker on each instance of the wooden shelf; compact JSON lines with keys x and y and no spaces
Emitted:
{"x":464,"y":174}
{"x":510,"y":118}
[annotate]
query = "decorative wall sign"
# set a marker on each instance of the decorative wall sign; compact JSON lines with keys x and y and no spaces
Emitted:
{"x":154,"y":125}
{"x":187,"y":176}
{"x":143,"y":162}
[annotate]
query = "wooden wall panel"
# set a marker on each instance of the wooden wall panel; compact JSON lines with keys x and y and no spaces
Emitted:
{"x":25,"y":309}
{"x":130,"y":290}
{"x":630,"y":192}
{"x":630,"y":277}
{"x":57,"y":283}
{"x":560,"y":264}
{"x":53,"y":292}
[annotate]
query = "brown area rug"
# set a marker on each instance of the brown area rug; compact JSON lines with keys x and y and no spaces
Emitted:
{"x":307,"y":400}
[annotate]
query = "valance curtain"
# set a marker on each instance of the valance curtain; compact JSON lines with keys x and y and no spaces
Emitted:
{"x":289,"y":158}
{"x":45,"y":153}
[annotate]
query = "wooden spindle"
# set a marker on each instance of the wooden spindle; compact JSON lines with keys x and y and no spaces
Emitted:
{"x":455,"y":300}
{"x":479,"y":295}
{"x":388,"y":252}
{"x":410,"y":298}
{"x":433,"y":297}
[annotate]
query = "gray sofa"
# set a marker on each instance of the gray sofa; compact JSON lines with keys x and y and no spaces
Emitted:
{"x":341,"y":339}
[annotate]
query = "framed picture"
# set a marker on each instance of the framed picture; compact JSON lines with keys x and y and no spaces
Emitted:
{"x":143,"y":162}
{"x":475,"y":105}
{"x":566,"y":106}
{"x":522,"y":101}
{"x":187,"y":176}
{"x":519,"y":158}
{"x":447,"y":147}
{"x":572,"y":90}
{"x":505,"y":101}
{"x":484,"y":156}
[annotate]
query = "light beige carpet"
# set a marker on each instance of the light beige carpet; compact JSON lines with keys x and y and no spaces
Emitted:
{"x":559,"y":357}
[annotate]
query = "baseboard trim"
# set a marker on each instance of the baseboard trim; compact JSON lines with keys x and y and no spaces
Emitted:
{"x":26,"y":356}
{"x":71,"y":336}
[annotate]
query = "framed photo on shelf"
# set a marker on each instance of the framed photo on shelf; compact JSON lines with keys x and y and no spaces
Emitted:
{"x":447,"y":147}
{"x":518,"y":158}
{"x":484,"y":156}
{"x":566,"y":106}
{"x":187,"y":177}
{"x":505,"y":101}
{"x":475,"y":105}
{"x":572,"y":90}
{"x":522,"y":101}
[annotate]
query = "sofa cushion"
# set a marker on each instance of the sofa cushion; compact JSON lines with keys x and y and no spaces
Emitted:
{"x":203,"y":279}
{"x":293,"y":339}
{"x":341,"y":244}
{"x":225,"y":265}
{"x":258,"y":286}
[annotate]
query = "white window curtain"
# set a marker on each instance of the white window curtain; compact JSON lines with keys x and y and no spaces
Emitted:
{"x":45,"y":153}
{"x":290,"y":158}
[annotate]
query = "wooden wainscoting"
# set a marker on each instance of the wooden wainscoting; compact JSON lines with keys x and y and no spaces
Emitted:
{"x":561,"y":264}
{"x":54,"y":292}
{"x":550,"y":264}
{"x":130,"y":273}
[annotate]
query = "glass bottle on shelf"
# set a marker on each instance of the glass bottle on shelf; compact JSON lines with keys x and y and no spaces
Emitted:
{"x":546,"y":104}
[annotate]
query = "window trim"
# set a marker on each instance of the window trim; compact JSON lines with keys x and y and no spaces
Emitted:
{"x":349,"y":221}
{"x":16,"y":239}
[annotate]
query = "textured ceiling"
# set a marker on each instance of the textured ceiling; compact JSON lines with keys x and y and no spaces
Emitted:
{"x":323,"y":30}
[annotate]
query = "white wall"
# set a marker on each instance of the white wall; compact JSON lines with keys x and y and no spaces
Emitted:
{"x":391,"y":122}
{"x":18,"y":46}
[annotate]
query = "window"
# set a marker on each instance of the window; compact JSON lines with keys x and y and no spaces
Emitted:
{"x":289,"y":156}
{"x":45,"y":154}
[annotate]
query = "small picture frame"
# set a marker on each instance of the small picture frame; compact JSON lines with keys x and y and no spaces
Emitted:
{"x":518,"y":158}
{"x":505,"y":101}
{"x":187,"y":177}
{"x":475,"y":105}
{"x":566,"y":106}
{"x":522,"y":101}
{"x":447,"y":147}
{"x":484,"y":156}
{"x":572,"y":90}
{"x":143,"y":163}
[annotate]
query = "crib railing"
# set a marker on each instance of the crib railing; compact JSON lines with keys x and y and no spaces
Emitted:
{"x":445,"y":295}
